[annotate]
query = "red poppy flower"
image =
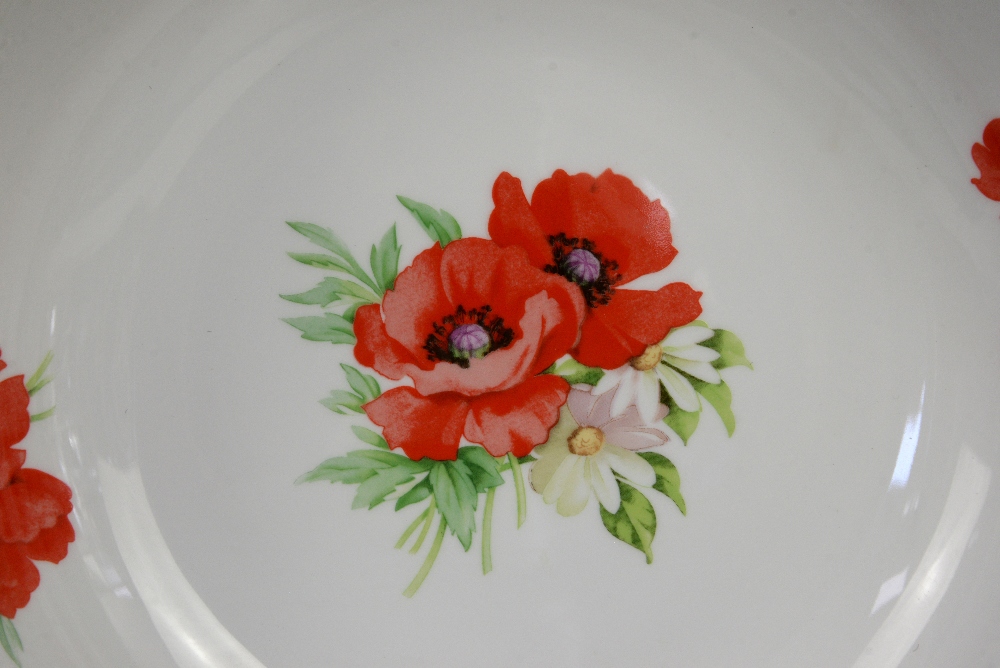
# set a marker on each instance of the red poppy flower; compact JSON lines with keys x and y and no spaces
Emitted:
{"x":33,"y":525}
{"x":473,"y":325}
{"x":598,"y":233}
{"x":987,"y":158}
{"x":14,"y":418}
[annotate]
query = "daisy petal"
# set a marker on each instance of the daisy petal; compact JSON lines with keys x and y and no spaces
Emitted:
{"x":630,"y":465}
{"x":636,"y":435}
{"x":679,"y":388}
{"x":560,"y":480}
{"x":581,"y":404}
{"x":609,"y":380}
{"x":577,"y":492}
{"x":625,"y":395}
{"x":694,"y":353}
{"x":700,"y":370}
{"x":647,"y":398}
{"x":687,"y":335}
{"x":550,"y":456}
{"x":604,"y":484}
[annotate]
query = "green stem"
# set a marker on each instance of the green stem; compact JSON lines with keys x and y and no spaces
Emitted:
{"x":413,"y":527}
{"x":487,"y":526}
{"x":44,"y":414}
{"x":427,"y":527}
{"x":428,"y":562}
{"x":515,"y":469}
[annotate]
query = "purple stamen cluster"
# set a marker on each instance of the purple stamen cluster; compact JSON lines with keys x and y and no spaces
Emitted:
{"x":579,"y":261}
{"x":467,"y":334}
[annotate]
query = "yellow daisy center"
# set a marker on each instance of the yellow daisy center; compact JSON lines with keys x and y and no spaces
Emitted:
{"x":649,"y":358}
{"x":586,"y":441}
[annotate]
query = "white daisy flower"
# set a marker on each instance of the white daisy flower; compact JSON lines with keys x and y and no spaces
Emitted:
{"x":638,"y":382}
{"x":585,"y":450}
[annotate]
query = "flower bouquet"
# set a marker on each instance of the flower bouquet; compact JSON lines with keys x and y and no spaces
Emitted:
{"x":525,"y":350}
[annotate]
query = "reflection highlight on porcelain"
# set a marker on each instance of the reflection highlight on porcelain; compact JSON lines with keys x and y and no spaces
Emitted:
{"x":908,"y":446}
{"x":192,"y":634}
{"x":920,"y":598}
{"x":890,"y":590}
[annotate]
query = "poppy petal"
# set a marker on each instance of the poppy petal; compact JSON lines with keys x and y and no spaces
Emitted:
{"x":376,"y":350}
{"x":52,"y":544}
{"x":18,"y":578}
{"x":421,"y":426}
{"x":633,"y":319}
{"x":14,"y":418}
{"x":33,"y":501}
{"x":513,"y":224}
{"x":518,"y":419}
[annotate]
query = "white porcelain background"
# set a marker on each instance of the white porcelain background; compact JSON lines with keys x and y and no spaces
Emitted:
{"x":816,"y":162}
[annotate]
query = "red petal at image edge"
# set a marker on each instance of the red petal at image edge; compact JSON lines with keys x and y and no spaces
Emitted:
{"x":14,"y":418}
{"x":633,"y":319}
{"x":517,"y":419}
{"x":52,"y":544}
{"x":18,"y":578}
{"x":421,"y":426}
{"x":987,"y":159}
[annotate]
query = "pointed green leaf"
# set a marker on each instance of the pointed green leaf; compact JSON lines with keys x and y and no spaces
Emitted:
{"x":668,"y":480}
{"x":682,"y":422}
{"x":416,"y":494}
{"x":339,"y":399}
{"x":575,"y":373}
{"x":721,"y":398}
{"x":440,"y":225}
{"x":366,"y":386}
{"x":456,"y":498}
{"x":35,"y":383}
{"x":730,"y":349}
{"x":321,"y":261}
{"x":635,"y":521}
{"x":485,"y":468}
{"x":10,"y":640}
{"x":332,"y":289}
{"x":327,"y":327}
{"x":370,"y":437}
{"x":351,"y":311}
{"x":360,"y":465}
{"x":36,"y":417}
{"x":373,"y":491}
{"x":325,"y":238}
{"x":385,"y":260}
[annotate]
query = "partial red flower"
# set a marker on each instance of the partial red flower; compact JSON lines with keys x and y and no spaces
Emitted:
{"x":599,"y":233}
{"x":473,"y":325}
{"x":987,"y":158}
{"x":14,"y":418}
{"x":33,"y":525}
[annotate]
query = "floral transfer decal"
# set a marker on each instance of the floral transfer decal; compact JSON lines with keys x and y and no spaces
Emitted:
{"x":34,"y":506}
{"x":987,"y":159}
{"x":526,"y":350}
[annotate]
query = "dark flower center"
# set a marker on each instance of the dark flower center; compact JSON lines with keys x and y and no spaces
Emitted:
{"x":579,"y":261}
{"x":467,"y":335}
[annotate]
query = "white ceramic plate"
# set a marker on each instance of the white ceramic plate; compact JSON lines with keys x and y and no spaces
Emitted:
{"x":816,"y":164}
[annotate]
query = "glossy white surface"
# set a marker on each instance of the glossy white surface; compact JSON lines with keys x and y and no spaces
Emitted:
{"x":816,"y":163}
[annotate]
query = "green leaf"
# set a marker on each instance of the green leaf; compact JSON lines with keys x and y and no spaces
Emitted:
{"x":351,"y":311}
{"x":366,"y":386}
{"x":485,"y":468}
{"x":339,"y":399}
{"x":440,"y":225}
{"x":416,"y":494}
{"x":456,"y":498}
{"x":325,"y":238}
{"x":668,"y":480}
{"x":10,"y":640}
{"x":321,"y":261}
{"x":373,"y":491}
{"x":333,"y":289}
{"x":574,"y":373}
{"x":635,"y":521}
{"x":385,"y":260}
{"x":721,"y":398}
{"x":682,"y":422}
{"x":327,"y":327}
{"x":360,"y":465}
{"x":730,"y":349}
{"x":36,"y":417}
{"x":370,"y":437}
{"x":36,"y":382}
